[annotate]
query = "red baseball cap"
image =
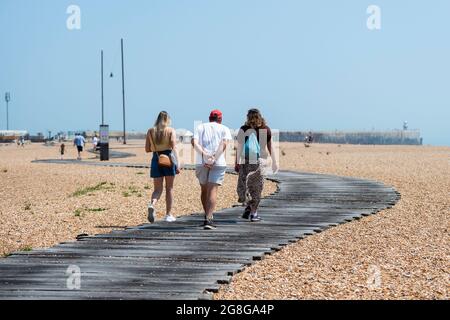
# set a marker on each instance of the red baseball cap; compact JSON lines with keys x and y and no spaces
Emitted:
{"x":216,"y":114}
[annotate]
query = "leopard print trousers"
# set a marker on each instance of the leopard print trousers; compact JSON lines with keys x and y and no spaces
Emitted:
{"x":250,"y":184}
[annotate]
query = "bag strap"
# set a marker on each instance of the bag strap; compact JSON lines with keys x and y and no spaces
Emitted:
{"x":153,"y":141}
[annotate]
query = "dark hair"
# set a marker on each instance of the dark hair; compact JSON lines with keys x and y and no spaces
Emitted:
{"x":215,"y":118}
{"x":255,"y":119}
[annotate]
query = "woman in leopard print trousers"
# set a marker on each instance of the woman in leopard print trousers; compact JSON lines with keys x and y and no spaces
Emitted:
{"x":251,"y":178}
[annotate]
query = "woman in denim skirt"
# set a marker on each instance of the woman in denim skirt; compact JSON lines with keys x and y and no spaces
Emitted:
{"x":161,"y":140}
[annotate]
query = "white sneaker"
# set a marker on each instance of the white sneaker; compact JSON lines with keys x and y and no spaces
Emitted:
{"x":170,"y":218}
{"x":151,"y":213}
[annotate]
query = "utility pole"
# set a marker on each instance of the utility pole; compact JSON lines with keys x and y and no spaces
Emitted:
{"x":103,"y":101}
{"x":123,"y":94}
{"x":7,"y":99}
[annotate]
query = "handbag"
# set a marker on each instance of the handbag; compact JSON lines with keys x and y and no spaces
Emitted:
{"x":164,"y":161}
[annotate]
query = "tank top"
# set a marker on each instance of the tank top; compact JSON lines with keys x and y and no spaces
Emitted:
{"x":164,"y":144}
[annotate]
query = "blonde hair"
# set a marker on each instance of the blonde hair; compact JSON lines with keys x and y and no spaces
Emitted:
{"x":255,"y":119}
{"x":162,"y":122}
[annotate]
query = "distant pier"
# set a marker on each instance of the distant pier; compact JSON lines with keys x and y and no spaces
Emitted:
{"x":395,"y":137}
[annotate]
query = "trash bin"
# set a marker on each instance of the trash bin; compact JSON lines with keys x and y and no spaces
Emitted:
{"x":104,"y":142}
{"x":104,"y":151}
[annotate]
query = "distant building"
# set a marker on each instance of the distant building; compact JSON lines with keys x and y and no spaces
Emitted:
{"x":184,"y":135}
{"x":13,"y":135}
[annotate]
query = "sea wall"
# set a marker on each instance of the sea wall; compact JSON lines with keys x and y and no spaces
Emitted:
{"x":396,"y":137}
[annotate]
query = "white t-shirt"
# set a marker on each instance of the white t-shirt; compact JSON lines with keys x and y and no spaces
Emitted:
{"x":209,"y":136}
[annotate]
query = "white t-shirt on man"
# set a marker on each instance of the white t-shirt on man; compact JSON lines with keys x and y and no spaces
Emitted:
{"x":209,"y":136}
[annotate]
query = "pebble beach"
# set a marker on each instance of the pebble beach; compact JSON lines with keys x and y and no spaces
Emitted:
{"x":406,"y":247}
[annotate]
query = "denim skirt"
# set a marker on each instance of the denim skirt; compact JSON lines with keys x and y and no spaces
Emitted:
{"x":157,"y":172}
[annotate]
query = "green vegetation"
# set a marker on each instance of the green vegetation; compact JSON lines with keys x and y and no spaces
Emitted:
{"x":78,"y":212}
{"x":27,"y":248}
{"x":140,"y":173}
{"x":97,"y":210}
{"x":132,"y":190}
{"x":89,"y":190}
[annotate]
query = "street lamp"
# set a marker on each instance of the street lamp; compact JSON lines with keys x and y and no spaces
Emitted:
{"x":7,"y":99}
{"x":111,"y":75}
{"x":123,"y":93}
{"x":104,"y":129}
{"x":103,"y":100}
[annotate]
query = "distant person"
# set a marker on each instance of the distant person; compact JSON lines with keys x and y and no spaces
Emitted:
{"x":254,"y":145}
{"x":210,"y":141}
{"x":309,"y":138}
{"x":79,"y":142}
{"x":161,"y":140}
{"x":62,"y":149}
{"x":94,"y":143}
{"x":22,"y":141}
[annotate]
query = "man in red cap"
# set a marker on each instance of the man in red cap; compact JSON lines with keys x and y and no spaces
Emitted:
{"x":210,"y":141}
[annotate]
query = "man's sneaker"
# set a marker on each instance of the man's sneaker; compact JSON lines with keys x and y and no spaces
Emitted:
{"x":208,"y":225}
{"x":255,"y":218}
{"x":246,"y":214}
{"x":151,"y":213}
{"x":170,"y":218}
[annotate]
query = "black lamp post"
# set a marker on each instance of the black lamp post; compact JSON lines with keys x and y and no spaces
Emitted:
{"x":103,"y":101}
{"x":123,"y":94}
{"x":104,"y":129}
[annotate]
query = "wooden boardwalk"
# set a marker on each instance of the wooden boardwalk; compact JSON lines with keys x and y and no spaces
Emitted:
{"x":183,"y":261}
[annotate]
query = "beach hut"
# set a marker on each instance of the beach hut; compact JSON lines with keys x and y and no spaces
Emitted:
{"x":184,"y":135}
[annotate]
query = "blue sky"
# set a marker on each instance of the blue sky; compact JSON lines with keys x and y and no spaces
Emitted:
{"x":306,"y":64}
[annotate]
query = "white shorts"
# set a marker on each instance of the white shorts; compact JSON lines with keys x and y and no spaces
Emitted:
{"x":215,"y":175}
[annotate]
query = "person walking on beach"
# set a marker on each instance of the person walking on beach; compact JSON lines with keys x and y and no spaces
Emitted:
{"x":210,"y":141}
{"x":161,"y":140}
{"x":79,"y":142}
{"x":62,"y":149}
{"x":254,"y":144}
{"x":94,"y":143}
